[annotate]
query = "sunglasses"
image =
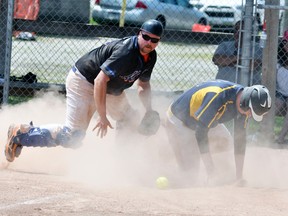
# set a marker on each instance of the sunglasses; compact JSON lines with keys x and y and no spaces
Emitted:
{"x":147,"y":38}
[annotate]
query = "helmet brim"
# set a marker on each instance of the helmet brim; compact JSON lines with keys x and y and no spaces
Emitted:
{"x":255,"y":116}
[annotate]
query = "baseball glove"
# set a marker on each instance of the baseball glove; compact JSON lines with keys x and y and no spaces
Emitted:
{"x":150,"y":123}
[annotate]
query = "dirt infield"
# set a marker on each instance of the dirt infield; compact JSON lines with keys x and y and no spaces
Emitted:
{"x":102,"y":178}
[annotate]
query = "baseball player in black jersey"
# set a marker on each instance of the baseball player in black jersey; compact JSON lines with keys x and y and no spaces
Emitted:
{"x":205,"y":106}
{"x":96,"y":83}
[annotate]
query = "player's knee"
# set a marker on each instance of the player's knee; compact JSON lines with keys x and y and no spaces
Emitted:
{"x":69,"y":139}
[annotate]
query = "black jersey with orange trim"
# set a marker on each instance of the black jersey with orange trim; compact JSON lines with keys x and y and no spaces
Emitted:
{"x":208,"y":104}
{"x":121,"y":61}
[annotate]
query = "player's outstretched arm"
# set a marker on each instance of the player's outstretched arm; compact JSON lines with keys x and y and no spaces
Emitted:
{"x":201,"y":134}
{"x":100,"y":87}
{"x":239,"y":146}
{"x":144,"y":92}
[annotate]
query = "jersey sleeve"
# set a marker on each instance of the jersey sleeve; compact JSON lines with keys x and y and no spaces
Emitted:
{"x":220,"y":49}
{"x":240,"y":135}
{"x":225,"y":48}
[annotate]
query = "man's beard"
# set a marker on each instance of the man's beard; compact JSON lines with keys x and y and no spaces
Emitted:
{"x":145,"y":48}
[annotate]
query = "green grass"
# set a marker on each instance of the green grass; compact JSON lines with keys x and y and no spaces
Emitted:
{"x":13,"y":100}
{"x":255,"y":126}
{"x":92,"y":22}
{"x":278,"y":124}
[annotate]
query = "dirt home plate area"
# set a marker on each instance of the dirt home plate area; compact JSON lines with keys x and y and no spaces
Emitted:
{"x":105,"y":177}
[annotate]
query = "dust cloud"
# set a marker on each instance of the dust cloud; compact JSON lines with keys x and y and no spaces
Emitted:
{"x":134,"y":160}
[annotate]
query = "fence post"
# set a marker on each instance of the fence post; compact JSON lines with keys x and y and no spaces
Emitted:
{"x":6,"y":17}
{"x":3,"y":29}
{"x":244,"y":66}
{"x":246,"y":54}
{"x":269,"y":66}
{"x":122,"y":17}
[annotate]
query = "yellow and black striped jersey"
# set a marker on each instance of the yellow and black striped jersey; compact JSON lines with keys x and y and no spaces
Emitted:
{"x":208,"y":104}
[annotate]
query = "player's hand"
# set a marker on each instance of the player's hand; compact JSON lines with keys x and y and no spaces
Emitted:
{"x":102,"y":126}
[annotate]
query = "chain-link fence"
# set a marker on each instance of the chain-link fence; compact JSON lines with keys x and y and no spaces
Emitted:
{"x":48,"y":36}
{"x":55,"y":34}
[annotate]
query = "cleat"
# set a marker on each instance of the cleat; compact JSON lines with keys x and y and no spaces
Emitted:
{"x":18,"y":150}
{"x":13,"y":149}
{"x":10,"y":148}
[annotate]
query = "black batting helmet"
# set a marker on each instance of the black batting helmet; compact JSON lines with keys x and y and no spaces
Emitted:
{"x":153,"y":26}
{"x":256,"y":98}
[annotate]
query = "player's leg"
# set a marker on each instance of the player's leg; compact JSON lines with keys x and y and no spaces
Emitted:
{"x":79,"y":112}
{"x":184,"y":144}
{"x":80,"y":108}
{"x":80,"y":105}
{"x":45,"y":136}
